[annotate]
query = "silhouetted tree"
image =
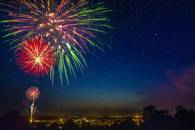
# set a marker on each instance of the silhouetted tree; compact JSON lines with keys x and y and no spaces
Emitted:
{"x":156,"y":119}
{"x":184,"y":118}
{"x":149,"y":112}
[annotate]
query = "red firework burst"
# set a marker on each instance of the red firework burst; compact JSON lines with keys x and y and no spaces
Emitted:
{"x":32,"y":93}
{"x":36,"y":57}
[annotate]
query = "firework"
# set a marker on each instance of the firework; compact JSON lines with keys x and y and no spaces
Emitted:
{"x":36,"y":57}
{"x":32,"y":94}
{"x":70,"y":27}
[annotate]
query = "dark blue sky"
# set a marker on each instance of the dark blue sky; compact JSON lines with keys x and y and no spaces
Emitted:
{"x":150,"y":39}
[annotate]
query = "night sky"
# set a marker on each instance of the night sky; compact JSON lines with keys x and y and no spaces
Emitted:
{"x":150,"y":61}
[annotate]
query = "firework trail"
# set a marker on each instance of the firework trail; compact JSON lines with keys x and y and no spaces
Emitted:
{"x":32,"y":94}
{"x":69,"y":27}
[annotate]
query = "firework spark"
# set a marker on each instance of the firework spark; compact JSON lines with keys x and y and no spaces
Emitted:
{"x":70,"y":27}
{"x":36,"y":57}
